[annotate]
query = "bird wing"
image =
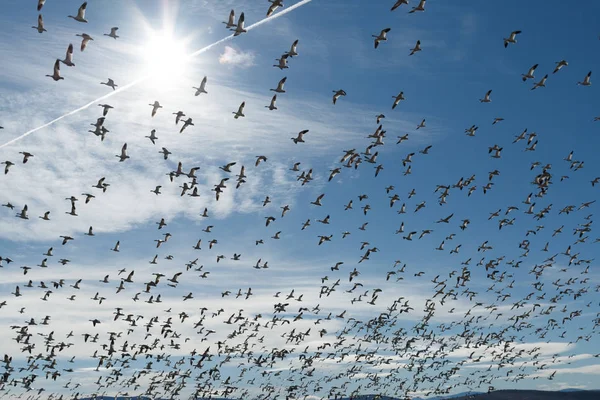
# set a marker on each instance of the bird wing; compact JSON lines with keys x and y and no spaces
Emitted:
{"x":81,"y":11}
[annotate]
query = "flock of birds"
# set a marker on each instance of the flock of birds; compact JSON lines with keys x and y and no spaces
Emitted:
{"x":371,"y":349}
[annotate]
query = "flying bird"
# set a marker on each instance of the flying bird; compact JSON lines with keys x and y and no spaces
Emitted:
{"x":382,"y":37}
{"x":80,"y":17}
{"x":113,"y":33}
{"x":512,"y":38}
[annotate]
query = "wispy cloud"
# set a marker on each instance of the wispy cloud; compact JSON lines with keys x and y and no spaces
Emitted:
{"x":236,"y":58}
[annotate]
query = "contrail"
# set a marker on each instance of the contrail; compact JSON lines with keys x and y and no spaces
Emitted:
{"x":143,"y":78}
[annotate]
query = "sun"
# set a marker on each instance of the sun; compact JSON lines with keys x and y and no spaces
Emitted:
{"x":164,"y":59}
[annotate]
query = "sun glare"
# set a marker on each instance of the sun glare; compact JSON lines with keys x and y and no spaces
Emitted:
{"x":164,"y":58}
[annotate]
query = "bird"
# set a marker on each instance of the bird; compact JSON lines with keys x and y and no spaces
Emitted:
{"x":300,"y":137}
{"x":155,"y":106}
{"x":23,"y":213}
{"x":201,"y":89}
{"x":80,"y":17}
{"x":152,"y":136}
{"x":512,"y":38}
{"x":240,"y":111}
{"x":560,"y":64}
{"x":397,"y":99}
{"x":56,"y":74}
{"x":529,"y":74}
{"x":178,"y":116}
{"x":113,"y":33}
{"x":69,"y":57}
{"x":486,"y":98}
{"x":165,"y":153}
{"x":259,"y":159}
{"x":586,"y":80}
{"x":541,"y":83}
{"x":123,"y":156}
{"x":230,"y":23}
{"x":84,"y":41}
{"x":280,"y":85}
{"x":271,"y":105}
{"x":274,"y":5}
{"x":293,"y":49}
{"x":40,"y":24}
{"x":40,"y":4}
{"x":186,"y":123}
{"x":239,"y":29}
{"x":398,"y":4}
{"x":110,"y":83}
{"x":105,"y":108}
{"x":416,"y":48}
{"x":282,"y":62}
{"x":337,"y":94}
{"x":382,"y":37}
{"x":26,"y":156}
{"x":419,"y":7}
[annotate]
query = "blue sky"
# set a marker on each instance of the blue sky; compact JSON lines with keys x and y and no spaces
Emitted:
{"x":462,"y":58}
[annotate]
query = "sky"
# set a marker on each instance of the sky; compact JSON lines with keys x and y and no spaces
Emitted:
{"x":529,"y":320}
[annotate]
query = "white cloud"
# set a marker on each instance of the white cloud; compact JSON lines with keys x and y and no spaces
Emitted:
{"x":236,"y":58}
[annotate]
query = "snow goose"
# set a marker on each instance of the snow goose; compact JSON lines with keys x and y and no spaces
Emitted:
{"x":272,"y":106}
{"x":85,"y":39}
{"x":68,"y":61}
{"x":40,"y":25}
{"x":40,"y":4}
{"x":230,"y":23}
{"x":7,"y":164}
{"x":282,"y":62}
{"x":23,"y":213}
{"x":80,"y":13}
{"x":293,"y":51}
{"x":419,"y":7}
{"x":105,"y":108}
{"x":239,"y":29}
{"x":541,"y":83}
{"x":416,"y":48}
{"x":110,"y":83}
{"x":338,"y":94}
{"x":46,"y":216}
{"x":586,"y":80}
{"x":26,"y":156}
{"x":113,"y":33}
{"x":275,"y":4}
{"x":300,"y":137}
{"x":511,"y":39}
{"x":165,"y":153}
{"x":398,"y":4}
{"x":382,"y":37}
{"x":422,"y":124}
{"x":280,"y":85}
{"x":155,"y":106}
{"x":486,"y":98}
{"x":240,"y":111}
{"x":186,"y":123}
{"x":529,"y":74}
{"x":56,"y":74}
{"x":397,"y":99}
{"x":559,"y":65}
{"x":123,"y":156}
{"x":259,"y":159}
{"x":201,"y":89}
{"x":152,"y":136}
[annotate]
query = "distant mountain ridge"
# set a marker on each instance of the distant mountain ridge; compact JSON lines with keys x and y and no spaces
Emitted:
{"x":564,"y":394}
